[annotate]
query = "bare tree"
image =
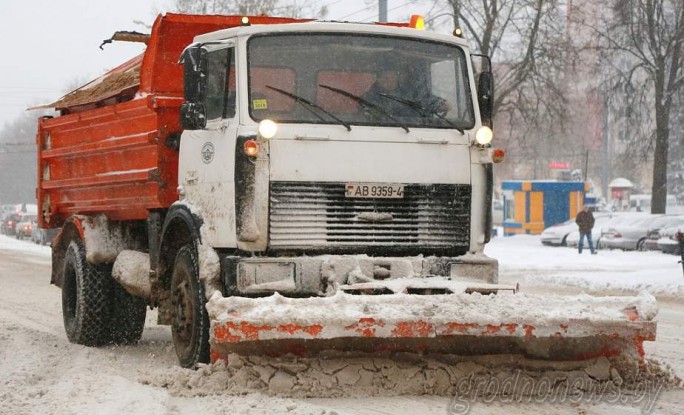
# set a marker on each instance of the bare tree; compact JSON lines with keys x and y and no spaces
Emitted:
{"x":675,"y":176}
{"x":527,"y":44}
{"x":648,"y":38}
{"x":516,"y":33}
{"x":288,"y":8}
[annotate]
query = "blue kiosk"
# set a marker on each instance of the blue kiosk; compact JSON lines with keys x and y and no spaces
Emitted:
{"x":530,"y":206}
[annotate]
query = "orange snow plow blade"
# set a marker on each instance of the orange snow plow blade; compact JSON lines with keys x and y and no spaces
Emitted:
{"x":540,"y":327}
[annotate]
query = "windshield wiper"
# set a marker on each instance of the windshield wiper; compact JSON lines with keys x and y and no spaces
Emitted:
{"x":366,"y":104}
{"x":308,"y":105}
{"x":420,"y":109}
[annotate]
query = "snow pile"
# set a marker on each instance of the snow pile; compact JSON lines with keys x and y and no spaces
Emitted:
{"x":524,"y":259}
{"x":27,"y":247}
{"x":393,"y":375}
{"x":546,"y":313}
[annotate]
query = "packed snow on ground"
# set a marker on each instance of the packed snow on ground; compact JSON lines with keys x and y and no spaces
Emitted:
{"x":523,"y":259}
{"x":43,"y":373}
{"x":23,"y":246}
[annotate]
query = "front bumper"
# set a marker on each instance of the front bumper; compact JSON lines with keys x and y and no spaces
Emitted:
{"x":554,"y":240}
{"x":325,"y":274}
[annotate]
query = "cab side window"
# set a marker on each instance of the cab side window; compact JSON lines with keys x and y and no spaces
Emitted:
{"x":220,"y":98}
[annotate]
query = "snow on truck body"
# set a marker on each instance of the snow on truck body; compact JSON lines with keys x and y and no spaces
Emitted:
{"x":261,"y":166}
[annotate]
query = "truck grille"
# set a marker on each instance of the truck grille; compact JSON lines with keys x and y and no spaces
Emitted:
{"x":318,"y":217}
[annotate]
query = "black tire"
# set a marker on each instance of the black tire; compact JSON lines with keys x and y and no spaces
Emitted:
{"x":641,"y":245}
{"x":128,"y":314}
{"x":190,"y":327}
{"x":86,"y":298}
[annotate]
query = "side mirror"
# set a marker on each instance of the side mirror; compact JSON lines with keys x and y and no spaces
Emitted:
{"x":194,"y":61}
{"x":485,"y":98}
{"x":193,"y":116}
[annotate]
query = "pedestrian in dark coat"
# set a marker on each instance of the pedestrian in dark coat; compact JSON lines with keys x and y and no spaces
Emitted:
{"x":585,"y":221}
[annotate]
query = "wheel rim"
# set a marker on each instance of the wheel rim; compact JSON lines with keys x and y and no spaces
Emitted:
{"x":184,"y":313}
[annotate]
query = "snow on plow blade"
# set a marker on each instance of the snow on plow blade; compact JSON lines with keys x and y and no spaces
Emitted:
{"x":466,"y":323}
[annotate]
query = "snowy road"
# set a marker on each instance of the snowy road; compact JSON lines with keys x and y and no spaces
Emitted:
{"x":42,"y":373}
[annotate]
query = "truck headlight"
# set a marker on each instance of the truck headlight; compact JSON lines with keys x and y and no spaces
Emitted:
{"x":484,"y":135}
{"x":267,"y":129}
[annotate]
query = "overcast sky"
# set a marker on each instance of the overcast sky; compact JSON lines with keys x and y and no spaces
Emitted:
{"x":51,"y":45}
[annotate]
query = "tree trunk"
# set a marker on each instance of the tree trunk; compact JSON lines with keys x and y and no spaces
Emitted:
{"x":659,"y":186}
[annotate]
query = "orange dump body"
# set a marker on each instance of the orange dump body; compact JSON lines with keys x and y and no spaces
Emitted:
{"x":111,"y":151}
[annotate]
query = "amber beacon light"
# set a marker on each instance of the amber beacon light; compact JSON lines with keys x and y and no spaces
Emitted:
{"x":417,"y":22}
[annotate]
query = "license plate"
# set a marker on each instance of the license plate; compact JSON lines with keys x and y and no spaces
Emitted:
{"x":374,"y":190}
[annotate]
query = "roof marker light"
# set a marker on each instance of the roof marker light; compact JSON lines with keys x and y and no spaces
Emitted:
{"x":245,"y":21}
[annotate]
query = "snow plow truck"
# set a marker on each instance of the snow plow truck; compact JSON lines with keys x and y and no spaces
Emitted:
{"x":284,"y":186}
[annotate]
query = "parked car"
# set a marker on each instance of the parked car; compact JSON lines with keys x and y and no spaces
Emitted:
{"x":44,"y":236}
{"x":628,"y":234}
{"x":25,"y":225}
{"x":555,"y":235}
{"x":651,"y":242}
{"x":668,"y":243}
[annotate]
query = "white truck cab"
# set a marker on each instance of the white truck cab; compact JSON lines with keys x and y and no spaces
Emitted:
{"x":298,"y":157}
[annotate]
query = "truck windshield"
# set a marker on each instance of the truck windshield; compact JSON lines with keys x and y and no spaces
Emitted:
{"x":357,"y":79}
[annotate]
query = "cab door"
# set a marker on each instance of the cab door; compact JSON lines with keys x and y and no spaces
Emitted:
{"x":206,"y":163}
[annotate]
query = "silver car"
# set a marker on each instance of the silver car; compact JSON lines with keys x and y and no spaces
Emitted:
{"x":668,"y":243}
{"x":668,"y":221}
{"x":629,"y":234}
{"x":555,"y":235}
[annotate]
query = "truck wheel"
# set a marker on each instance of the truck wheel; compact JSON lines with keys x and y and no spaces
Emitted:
{"x":86,"y":298}
{"x":190,"y":327}
{"x":128,"y":316}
